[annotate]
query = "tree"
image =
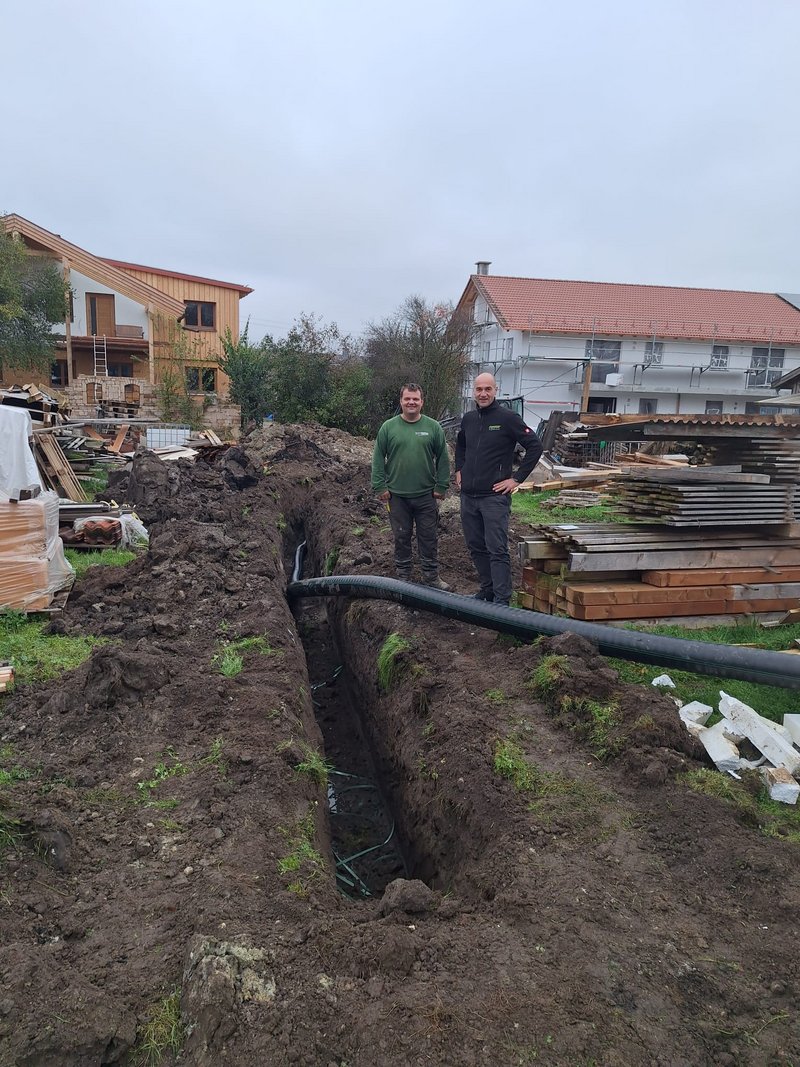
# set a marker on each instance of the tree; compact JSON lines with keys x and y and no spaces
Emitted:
{"x":33,"y":298}
{"x":247,"y":366}
{"x":423,"y":343}
{"x":313,"y":374}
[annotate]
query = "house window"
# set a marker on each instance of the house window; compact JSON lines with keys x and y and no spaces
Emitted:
{"x":200,"y":315}
{"x":648,"y":407}
{"x":766,"y":365}
{"x":653,"y":353}
{"x":94,"y":392}
{"x":120,"y":370}
{"x":604,"y":356}
{"x":201,"y":380}
{"x":508,"y":347}
{"x":487,"y":351}
{"x":602,"y":405}
{"x":713,"y":407}
{"x":58,"y":372}
{"x":719,"y":357}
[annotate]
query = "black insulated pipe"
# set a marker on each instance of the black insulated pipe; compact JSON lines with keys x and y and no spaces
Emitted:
{"x":723,"y":661}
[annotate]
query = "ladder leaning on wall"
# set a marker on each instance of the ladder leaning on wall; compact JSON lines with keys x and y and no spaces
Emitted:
{"x":100,"y":356}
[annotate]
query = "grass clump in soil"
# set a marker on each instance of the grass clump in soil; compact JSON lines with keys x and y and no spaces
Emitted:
{"x":36,"y":656}
{"x":163,"y":1032}
{"x":171,"y":766}
{"x":770,"y":701}
{"x":228,"y":659}
{"x":9,"y":771}
{"x":107,"y":557}
{"x":548,"y":674}
{"x":555,"y":797}
{"x":314,"y":765}
{"x":750,"y":799}
{"x":302,"y":859}
{"x":599,"y":723}
{"x":331,"y":560}
{"x":390,"y":661}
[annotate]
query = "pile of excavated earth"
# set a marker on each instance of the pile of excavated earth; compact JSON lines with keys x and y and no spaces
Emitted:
{"x":345,"y":832}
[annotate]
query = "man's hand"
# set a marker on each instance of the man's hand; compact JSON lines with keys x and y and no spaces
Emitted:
{"x":458,"y":479}
{"x":384,"y":496}
{"x":438,"y":496}
{"x":508,"y":485}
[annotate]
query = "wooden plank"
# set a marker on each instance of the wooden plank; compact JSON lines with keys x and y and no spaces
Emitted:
{"x":599,"y":612}
{"x":684,"y":559}
{"x":121,"y":434}
{"x":732,"y":576}
{"x":637,"y":593}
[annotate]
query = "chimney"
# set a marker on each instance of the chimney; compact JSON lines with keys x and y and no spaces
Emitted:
{"x":483,"y":266}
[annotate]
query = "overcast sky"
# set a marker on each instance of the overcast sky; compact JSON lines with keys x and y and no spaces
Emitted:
{"x":339,"y":156}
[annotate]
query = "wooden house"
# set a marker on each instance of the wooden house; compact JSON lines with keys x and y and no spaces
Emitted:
{"x":131,"y":328}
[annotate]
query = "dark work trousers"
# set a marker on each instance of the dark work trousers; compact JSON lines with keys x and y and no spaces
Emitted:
{"x":405,"y":512}
{"x":484,"y":520}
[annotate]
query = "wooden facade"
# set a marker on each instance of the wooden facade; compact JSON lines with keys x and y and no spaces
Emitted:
{"x":160,"y":342}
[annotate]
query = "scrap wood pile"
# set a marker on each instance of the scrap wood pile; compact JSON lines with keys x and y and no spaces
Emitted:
{"x":608,"y":571}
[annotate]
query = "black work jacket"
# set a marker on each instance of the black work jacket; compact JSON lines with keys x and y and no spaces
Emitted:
{"x":485,"y":448}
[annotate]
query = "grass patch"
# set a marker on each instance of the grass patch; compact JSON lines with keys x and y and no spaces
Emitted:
{"x":390,"y":662}
{"x":548,"y":674}
{"x":11,"y":833}
{"x":495,"y":696}
{"x":314,"y":765}
{"x":555,"y":797}
{"x":600,"y":724}
{"x":228,"y":659}
{"x":751,"y":800}
{"x":773,"y":702}
{"x":107,"y":557}
{"x":9,"y":772}
{"x":528,"y":506}
{"x":170,"y":766}
{"x":163,"y":1032}
{"x":331,"y":560}
{"x":302,"y":859}
{"x":36,"y":656}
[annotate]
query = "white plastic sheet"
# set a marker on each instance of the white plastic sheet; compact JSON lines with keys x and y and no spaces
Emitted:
{"x":18,"y":468}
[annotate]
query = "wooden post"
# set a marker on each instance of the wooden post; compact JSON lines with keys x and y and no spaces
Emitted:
{"x":67,"y":323}
{"x":151,"y":329}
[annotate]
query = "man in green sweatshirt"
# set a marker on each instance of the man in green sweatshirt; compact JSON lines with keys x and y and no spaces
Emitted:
{"x":411,"y":473}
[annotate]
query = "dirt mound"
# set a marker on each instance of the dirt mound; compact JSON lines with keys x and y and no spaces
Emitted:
{"x":172,"y":864}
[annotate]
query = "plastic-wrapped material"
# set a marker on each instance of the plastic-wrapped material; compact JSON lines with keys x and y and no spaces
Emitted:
{"x":18,"y":468}
{"x":100,"y":530}
{"x":29,"y":526}
{"x":134,"y":531}
{"x":32,"y":562}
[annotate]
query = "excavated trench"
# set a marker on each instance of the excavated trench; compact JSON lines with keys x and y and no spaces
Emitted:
{"x":386,"y":815}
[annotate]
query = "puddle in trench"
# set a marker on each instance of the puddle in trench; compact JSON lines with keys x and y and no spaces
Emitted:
{"x":365,"y":844}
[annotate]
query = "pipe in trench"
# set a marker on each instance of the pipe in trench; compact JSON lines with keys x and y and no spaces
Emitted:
{"x":724,"y":661}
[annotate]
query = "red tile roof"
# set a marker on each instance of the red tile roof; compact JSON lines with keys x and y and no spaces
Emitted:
{"x":606,"y":308}
{"x":243,"y":289}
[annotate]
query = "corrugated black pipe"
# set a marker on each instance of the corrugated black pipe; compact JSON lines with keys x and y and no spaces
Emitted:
{"x":722,"y":661}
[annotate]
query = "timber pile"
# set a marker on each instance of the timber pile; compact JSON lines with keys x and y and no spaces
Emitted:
{"x":608,"y":571}
{"x":707,"y":496}
{"x":45,"y":406}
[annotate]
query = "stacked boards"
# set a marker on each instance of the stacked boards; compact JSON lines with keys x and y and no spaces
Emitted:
{"x":598,"y":572}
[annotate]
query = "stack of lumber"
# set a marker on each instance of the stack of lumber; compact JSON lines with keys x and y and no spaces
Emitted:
{"x":778,"y":458}
{"x":605,"y":571}
{"x":706,"y":496}
{"x":32,"y":563}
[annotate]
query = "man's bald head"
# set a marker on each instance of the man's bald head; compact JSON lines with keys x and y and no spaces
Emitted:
{"x":484,"y":390}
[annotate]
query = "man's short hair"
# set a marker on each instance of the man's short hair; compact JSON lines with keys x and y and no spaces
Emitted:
{"x":412,"y":387}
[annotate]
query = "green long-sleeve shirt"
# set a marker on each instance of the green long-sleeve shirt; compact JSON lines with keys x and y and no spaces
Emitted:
{"x":410,"y":458}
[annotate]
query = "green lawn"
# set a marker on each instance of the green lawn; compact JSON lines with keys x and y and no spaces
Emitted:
{"x":106,"y":557}
{"x":528,"y":507}
{"x":36,"y":656}
{"x":770,"y":701}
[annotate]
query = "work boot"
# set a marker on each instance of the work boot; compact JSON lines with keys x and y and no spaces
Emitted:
{"x":436,"y":583}
{"x":482,"y":595}
{"x":404,"y":576}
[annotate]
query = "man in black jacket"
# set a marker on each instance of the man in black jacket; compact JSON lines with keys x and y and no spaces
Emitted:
{"x":484,"y":453}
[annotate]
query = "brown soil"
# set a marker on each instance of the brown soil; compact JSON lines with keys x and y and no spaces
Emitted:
{"x":604,"y":915}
